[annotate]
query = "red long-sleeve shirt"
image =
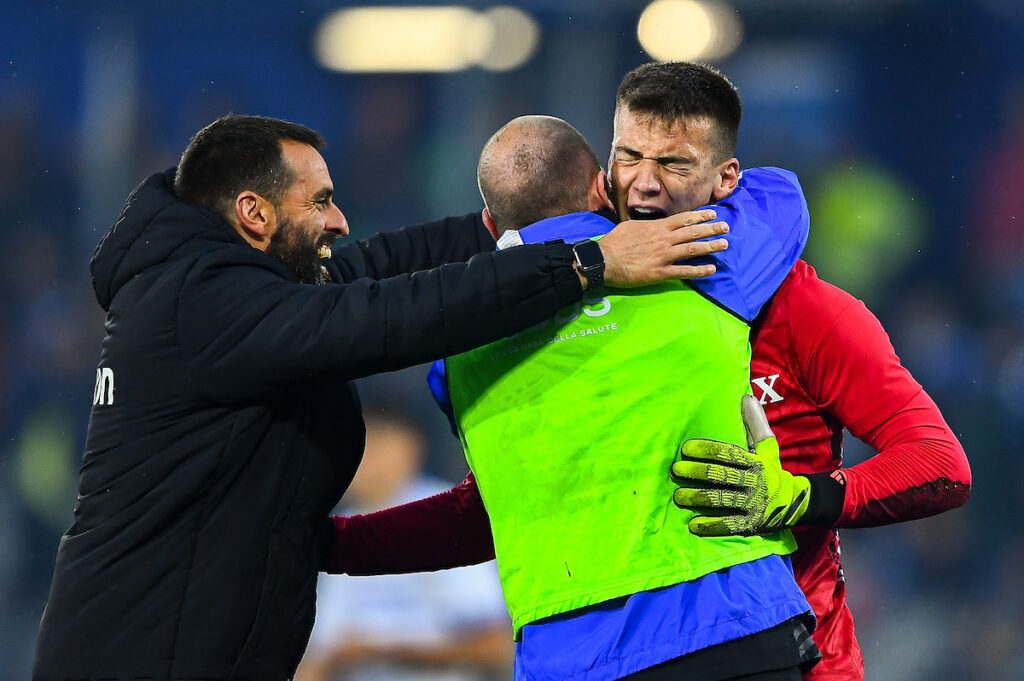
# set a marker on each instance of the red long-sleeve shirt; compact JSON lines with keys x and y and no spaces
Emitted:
{"x":821,"y":362}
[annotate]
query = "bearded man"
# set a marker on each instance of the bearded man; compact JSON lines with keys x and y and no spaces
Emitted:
{"x":224,"y":427}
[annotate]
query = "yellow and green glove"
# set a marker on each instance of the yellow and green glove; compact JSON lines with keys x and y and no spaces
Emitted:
{"x":736,"y":491}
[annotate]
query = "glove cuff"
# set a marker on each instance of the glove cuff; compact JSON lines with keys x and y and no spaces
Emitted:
{"x":826,"y":502}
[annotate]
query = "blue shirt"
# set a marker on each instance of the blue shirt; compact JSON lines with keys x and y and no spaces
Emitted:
{"x":768,"y":221}
{"x":768,"y":226}
{"x":629,"y":634}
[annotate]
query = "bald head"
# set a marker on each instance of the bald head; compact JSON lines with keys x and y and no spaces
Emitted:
{"x":535,"y":167}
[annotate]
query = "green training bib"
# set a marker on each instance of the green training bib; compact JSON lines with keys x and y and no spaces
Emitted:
{"x":570,"y":428}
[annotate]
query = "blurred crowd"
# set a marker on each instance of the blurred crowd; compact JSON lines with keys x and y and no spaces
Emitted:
{"x":942,"y":265}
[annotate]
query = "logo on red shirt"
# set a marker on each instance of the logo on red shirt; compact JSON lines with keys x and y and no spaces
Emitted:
{"x":767,"y":386}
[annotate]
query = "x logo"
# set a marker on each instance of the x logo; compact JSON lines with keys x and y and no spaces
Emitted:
{"x":767,"y":386}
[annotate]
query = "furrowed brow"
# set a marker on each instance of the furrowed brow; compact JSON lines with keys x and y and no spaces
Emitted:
{"x":628,"y":151}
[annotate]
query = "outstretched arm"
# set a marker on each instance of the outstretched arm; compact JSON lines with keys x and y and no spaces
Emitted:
{"x":348,"y":330}
{"x":414,"y":248}
{"x":444,"y":531}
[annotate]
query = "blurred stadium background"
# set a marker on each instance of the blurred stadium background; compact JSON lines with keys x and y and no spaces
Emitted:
{"x":903,"y":118}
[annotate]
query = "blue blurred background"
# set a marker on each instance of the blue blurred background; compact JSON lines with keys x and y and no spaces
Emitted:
{"x":903,"y":118}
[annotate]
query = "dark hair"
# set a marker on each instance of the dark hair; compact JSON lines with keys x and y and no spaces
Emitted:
{"x":675,"y":90}
{"x":238,"y":153}
{"x":535,"y":167}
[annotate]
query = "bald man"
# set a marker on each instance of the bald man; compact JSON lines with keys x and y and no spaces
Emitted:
{"x":538,"y":167}
{"x":601,"y":579}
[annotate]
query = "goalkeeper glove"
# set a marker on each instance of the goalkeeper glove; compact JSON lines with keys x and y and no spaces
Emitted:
{"x":746,"y":492}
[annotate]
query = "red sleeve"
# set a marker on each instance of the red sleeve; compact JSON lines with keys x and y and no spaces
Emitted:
{"x":446,"y":530}
{"x":853,"y":373}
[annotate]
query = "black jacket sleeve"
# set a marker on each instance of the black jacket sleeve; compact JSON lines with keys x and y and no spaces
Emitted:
{"x":247,"y":330}
{"x":411,"y":249}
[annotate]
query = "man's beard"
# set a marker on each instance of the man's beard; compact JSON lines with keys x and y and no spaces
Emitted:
{"x":289,"y":244}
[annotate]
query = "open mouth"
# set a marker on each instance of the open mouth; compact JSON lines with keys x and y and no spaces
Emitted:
{"x":645,"y":213}
{"x":324,"y":245}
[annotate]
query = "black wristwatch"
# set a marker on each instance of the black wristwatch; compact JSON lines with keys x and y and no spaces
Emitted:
{"x":589,"y":261}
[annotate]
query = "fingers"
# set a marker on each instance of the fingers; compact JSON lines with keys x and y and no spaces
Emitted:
{"x":686,"y":272}
{"x":755,"y":420}
{"x":641,"y":252}
{"x":695,"y":249}
{"x":715,"y":473}
{"x":714,"y":450}
{"x":683,"y":227}
{"x":711,"y":498}
{"x":700,"y":220}
{"x":682,"y":233}
{"x":687,"y":250}
{"x":704,"y":230}
{"x":708,"y":526}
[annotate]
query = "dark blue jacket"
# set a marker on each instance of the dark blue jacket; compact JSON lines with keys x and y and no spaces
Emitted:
{"x":224,"y":428}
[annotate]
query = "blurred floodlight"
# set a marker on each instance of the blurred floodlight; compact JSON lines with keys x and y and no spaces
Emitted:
{"x":727,"y":29}
{"x":403,"y":39}
{"x":450,"y":38}
{"x":672,"y":30}
{"x":516,"y":36}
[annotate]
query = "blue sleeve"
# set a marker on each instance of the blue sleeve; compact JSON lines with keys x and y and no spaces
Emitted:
{"x":768,"y":224}
{"x":438,"y":383}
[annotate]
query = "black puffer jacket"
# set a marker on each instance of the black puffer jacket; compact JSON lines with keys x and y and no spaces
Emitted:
{"x":224,"y":429}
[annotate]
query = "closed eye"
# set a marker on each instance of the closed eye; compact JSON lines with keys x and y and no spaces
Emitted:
{"x":627,"y":157}
{"x":322,"y":199}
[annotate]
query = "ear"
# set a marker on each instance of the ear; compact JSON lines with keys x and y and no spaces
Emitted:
{"x":256,"y":218}
{"x":489,"y":224}
{"x":597,"y":197}
{"x":728,"y":177}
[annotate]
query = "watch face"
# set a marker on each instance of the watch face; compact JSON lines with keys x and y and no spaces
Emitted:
{"x":588,"y":255}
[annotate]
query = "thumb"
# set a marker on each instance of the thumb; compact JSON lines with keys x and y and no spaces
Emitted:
{"x":754,"y":421}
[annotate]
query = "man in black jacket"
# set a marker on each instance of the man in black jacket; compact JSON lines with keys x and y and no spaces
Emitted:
{"x":223,"y":428}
